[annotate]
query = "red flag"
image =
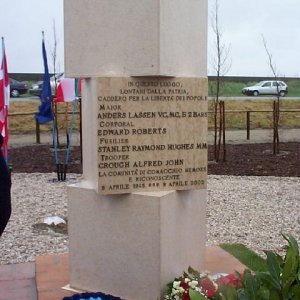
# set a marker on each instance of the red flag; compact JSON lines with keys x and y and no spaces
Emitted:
{"x":4,"y":100}
{"x":68,"y":90}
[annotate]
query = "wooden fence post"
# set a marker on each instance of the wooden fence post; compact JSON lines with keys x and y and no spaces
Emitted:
{"x":37,"y":132}
{"x":248,"y":125}
{"x":224,"y":128}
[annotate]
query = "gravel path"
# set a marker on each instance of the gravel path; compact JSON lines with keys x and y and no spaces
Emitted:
{"x":253,"y":210}
{"x":249,"y":210}
{"x":35,"y":196}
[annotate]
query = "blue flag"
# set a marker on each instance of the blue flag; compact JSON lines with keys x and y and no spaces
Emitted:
{"x":44,"y":114}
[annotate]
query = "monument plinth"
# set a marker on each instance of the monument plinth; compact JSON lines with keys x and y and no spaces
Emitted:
{"x":132,"y":245}
{"x":137,"y":217}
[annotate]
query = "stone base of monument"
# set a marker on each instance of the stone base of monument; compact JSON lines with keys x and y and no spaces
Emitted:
{"x":132,"y":245}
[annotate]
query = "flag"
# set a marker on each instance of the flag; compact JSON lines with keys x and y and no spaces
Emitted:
{"x":68,"y":90}
{"x":44,"y":114}
{"x":4,"y":80}
{"x":4,"y":101}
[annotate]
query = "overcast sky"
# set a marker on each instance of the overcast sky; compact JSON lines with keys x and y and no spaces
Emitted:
{"x":243,"y":23}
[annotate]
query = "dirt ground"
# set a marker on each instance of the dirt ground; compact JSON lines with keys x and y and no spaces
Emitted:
{"x":244,"y":159}
{"x":258,"y":160}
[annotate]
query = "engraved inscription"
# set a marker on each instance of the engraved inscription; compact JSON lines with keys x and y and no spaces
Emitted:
{"x":152,"y":134}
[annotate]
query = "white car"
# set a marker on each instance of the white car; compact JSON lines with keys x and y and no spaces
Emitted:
{"x":269,"y":87}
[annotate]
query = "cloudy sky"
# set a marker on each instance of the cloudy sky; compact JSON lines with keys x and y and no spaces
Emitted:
{"x":243,"y":23}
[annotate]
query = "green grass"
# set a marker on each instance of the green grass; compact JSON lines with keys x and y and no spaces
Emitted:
{"x":228,"y":88}
{"x":232,"y":89}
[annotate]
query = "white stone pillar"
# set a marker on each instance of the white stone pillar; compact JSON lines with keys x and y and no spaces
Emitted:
{"x":135,"y":38}
{"x":131,"y":245}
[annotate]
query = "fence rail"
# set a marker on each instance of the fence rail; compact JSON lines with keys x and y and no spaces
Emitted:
{"x":247,"y":113}
{"x":37,"y":125}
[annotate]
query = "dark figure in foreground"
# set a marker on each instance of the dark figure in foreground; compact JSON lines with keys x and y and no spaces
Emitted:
{"x":5,"y":184}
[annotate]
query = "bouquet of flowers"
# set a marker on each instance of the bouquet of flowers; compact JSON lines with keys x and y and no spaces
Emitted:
{"x":194,"y":285}
{"x":273,"y":277}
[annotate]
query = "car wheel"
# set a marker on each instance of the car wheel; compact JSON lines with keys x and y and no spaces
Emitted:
{"x":282,"y":93}
{"x":255,"y":93}
{"x":14,"y":93}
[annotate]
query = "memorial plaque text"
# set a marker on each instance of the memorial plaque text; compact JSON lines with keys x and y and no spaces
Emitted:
{"x":152,"y":134}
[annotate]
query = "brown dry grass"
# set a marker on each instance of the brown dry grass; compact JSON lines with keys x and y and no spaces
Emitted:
{"x":236,"y":113}
{"x":24,"y":121}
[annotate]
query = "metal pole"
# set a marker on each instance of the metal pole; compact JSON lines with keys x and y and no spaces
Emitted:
{"x":274,"y":128}
{"x":80,"y":128}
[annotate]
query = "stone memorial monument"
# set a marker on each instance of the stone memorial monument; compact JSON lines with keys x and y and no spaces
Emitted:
{"x":137,"y":216}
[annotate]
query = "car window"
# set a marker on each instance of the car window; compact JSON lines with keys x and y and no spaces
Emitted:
{"x":266,"y":84}
{"x":275,"y":83}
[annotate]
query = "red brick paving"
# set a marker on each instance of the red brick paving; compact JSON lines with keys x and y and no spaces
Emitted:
{"x":219,"y":261}
{"x":44,"y":279}
{"x":51,"y":275}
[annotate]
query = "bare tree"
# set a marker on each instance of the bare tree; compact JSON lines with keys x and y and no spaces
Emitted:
{"x":276,"y":104}
{"x":53,"y":52}
{"x":221,"y":66}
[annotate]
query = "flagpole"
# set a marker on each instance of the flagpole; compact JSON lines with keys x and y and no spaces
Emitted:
{"x":3,"y":70}
{"x":2,"y":38}
{"x":5,"y":150}
{"x":54,"y":121}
